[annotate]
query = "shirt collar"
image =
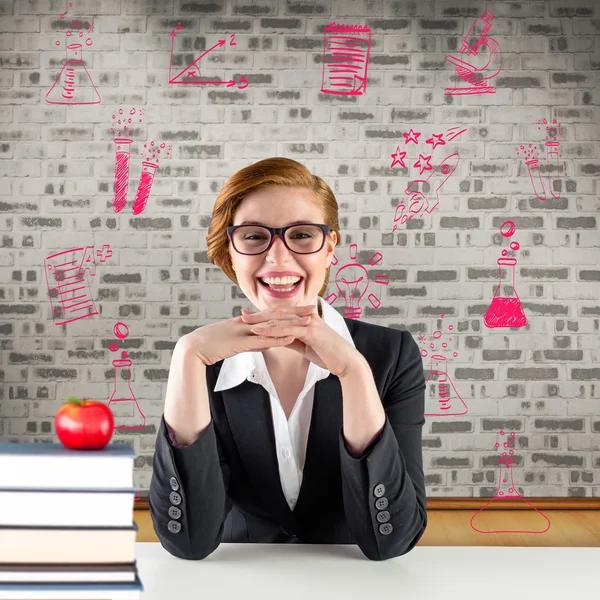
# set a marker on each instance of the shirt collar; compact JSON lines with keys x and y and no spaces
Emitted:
{"x":236,"y":369}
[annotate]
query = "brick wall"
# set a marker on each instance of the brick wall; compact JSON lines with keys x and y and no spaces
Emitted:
{"x":56,"y":192}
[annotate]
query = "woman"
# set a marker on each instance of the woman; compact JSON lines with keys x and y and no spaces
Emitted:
{"x":290,"y":423}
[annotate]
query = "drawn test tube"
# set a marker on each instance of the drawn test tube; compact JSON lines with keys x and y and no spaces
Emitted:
{"x":536,"y":178}
{"x":144,"y":187}
{"x":552,"y":158}
{"x":122,"y":156}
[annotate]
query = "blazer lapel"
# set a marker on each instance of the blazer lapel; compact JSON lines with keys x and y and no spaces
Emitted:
{"x":248,"y":411}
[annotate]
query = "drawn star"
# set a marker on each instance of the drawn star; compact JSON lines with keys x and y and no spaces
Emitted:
{"x":411,"y":136}
{"x":438,"y":141}
{"x":398,"y":158}
{"x":423,"y":167}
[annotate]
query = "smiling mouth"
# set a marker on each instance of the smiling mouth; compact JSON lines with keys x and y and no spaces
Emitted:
{"x":281,"y":287}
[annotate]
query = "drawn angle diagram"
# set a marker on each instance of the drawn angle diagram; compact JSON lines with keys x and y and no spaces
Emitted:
{"x":192,"y":74}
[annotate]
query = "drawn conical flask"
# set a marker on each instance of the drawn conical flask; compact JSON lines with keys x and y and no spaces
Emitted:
{"x":127,"y":412}
{"x":73,"y":84}
{"x":505,"y":309}
{"x":441,"y":397}
{"x":486,"y":522}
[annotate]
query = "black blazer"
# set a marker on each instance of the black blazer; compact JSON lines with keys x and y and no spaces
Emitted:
{"x":225,"y":487}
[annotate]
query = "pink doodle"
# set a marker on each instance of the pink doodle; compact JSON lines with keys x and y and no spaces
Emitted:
{"x":398,"y":158}
{"x":443,"y":399}
{"x":531,"y":154}
{"x":417,"y":201}
{"x":74,"y":84}
{"x":67,"y":279}
{"x":423,"y":166}
{"x":125,"y":402}
{"x":505,"y":309}
{"x":121,"y":127}
{"x":151,"y":153}
{"x":346,"y":50}
{"x":507,"y":490}
{"x":437,"y":139}
{"x":453,"y":131}
{"x":192,"y":75}
{"x":352,"y":282}
{"x":477,"y":75}
{"x":411,"y":136}
{"x":552,"y":155}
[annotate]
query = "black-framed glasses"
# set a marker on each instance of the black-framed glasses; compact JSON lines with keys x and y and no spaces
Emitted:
{"x":306,"y":238}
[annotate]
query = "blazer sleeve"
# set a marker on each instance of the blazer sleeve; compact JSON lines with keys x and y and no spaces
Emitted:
{"x":384,"y":489}
{"x":188,"y":497}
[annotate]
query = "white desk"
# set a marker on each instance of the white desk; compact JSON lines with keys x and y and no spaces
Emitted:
{"x":332,"y":572}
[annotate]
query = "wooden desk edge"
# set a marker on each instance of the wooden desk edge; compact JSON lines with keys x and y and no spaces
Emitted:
{"x":458,"y":503}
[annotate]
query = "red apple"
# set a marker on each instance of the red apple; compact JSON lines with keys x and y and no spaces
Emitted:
{"x":84,"y":424}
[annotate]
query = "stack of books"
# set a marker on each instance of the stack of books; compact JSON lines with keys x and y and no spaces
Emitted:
{"x":66,"y":523}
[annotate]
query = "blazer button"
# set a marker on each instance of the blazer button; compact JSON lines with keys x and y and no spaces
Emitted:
{"x":383,"y":516}
{"x":175,"y":498}
{"x":379,"y":490}
{"x":174,"y":483}
{"x":174,"y":526}
{"x":381,"y":503}
{"x":174,"y":512}
{"x":386,"y":529}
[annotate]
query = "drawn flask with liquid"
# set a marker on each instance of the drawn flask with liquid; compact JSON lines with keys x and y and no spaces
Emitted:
{"x":505,"y":309}
{"x":125,"y":411}
{"x":442,"y":399}
{"x":483,"y":520}
{"x":73,"y":84}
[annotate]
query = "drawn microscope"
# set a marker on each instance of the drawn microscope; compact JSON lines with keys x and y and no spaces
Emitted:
{"x":476,"y":77}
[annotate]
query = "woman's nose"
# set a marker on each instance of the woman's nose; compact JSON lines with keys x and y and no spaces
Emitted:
{"x":278,"y":247}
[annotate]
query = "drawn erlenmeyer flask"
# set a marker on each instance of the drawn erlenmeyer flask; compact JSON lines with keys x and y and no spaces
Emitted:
{"x":73,"y":84}
{"x":486,"y":523}
{"x":442,"y":400}
{"x":505,"y":309}
{"x":125,"y":412}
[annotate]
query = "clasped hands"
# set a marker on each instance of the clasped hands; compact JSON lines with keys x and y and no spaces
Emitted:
{"x":313,"y":338}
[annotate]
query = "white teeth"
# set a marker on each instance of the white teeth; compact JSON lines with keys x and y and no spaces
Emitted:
{"x":280,"y":280}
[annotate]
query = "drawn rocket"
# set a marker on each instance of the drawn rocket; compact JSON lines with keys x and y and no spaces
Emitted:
{"x":416,"y":200}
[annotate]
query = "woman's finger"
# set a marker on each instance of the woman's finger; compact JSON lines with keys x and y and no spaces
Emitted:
{"x":265,"y":342}
{"x":283,"y":322}
{"x":279,"y":329}
{"x":265,"y":315}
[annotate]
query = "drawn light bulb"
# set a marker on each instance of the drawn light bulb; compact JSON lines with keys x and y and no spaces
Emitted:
{"x":352,"y":286}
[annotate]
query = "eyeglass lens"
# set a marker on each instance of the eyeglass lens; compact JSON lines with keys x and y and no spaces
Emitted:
{"x":303,"y":239}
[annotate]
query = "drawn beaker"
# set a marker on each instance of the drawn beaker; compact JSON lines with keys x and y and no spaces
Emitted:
{"x":536,"y":178}
{"x":122,"y":155}
{"x":505,"y":309}
{"x":73,"y":84}
{"x":144,"y":187}
{"x":123,"y":394}
{"x":442,"y":400}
